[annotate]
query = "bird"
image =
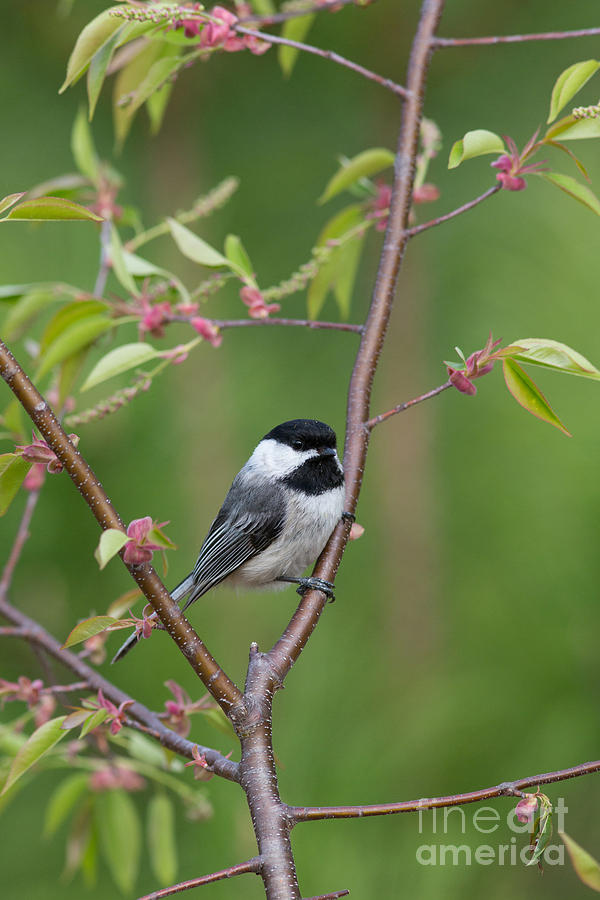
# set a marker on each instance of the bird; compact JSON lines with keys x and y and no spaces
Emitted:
{"x":275,"y":520}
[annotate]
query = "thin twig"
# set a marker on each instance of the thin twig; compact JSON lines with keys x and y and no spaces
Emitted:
{"x":333,"y":896}
{"x":506,"y":789}
{"x":327,"y":54}
{"x":456,"y":212}
{"x":19,"y":543}
{"x":104,"y":268}
{"x":250,"y":867}
{"x":371,"y":423}
{"x":440,"y":42}
{"x":276,"y":18}
{"x":290,"y":323}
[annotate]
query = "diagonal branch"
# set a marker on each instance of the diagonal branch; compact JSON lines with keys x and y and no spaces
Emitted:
{"x":417,"y":229}
{"x":407,"y":405}
{"x":326,"y":54}
{"x":216,"y":681}
{"x":33,"y":633}
{"x":252,"y":866}
{"x":506,"y":789}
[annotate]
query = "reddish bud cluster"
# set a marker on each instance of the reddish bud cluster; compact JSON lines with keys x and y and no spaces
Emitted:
{"x":220,"y":33}
{"x":116,"y":715}
{"x":206,"y":330}
{"x":526,"y":808}
{"x":511,"y":168}
{"x":254,"y":300}
{"x":479,"y":363}
{"x":139,"y":549}
{"x":32,"y":693}
{"x":112,"y":778}
{"x":39,"y":452}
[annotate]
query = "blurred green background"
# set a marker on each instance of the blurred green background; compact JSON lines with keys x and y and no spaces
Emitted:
{"x":462,"y":650}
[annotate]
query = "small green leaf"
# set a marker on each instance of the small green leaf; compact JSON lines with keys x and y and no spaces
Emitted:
{"x":42,"y":740}
{"x":237,"y":256}
{"x":76,"y":718}
{"x":13,"y":469}
{"x":78,"y":335}
{"x":128,"y":356}
{"x":98,"y":66}
{"x":572,"y":129}
{"x":156,"y":106}
{"x":551,"y":355}
{"x":124,"y":602}
{"x":119,"y":830}
{"x":194,"y":247}
{"x":119,"y":265}
{"x":475,"y":143}
{"x":88,"y":43}
{"x":126,"y":84}
{"x":367,"y":163}
{"x":50,"y":209}
{"x":10,"y":200}
{"x":349,"y":258}
{"x":63,"y":800}
{"x":97,"y":718}
{"x":111,"y":541}
{"x":67,"y":316}
{"x":82,"y":147}
{"x":293,"y":30}
{"x":586,"y":867}
{"x":573,"y":188}
{"x":89,"y":627}
{"x":528,"y":395}
{"x":156,"y":536}
{"x":333,"y":272}
{"x":157,"y":76}
{"x":26,"y":309}
{"x":161,"y":839}
{"x":569,"y":83}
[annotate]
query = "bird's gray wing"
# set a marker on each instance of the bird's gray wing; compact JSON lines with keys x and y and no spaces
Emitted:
{"x":250,"y":519}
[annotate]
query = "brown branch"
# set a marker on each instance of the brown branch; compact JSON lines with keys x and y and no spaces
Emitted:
{"x":440,"y":43}
{"x":333,"y":896}
{"x":32,"y":632}
{"x":506,"y":789}
{"x":417,"y":229}
{"x":289,"y":323}
{"x":225,"y":692}
{"x":326,"y":54}
{"x":276,"y":18}
{"x":406,"y":405}
{"x":252,"y":866}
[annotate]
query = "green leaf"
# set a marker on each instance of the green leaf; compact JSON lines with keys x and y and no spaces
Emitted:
{"x":26,"y":309}
{"x":98,"y":66}
{"x":528,"y":395}
{"x":68,"y":374}
{"x":9,"y":291}
{"x":38,"y":744}
{"x":50,"y":209}
{"x":123,"y":358}
{"x":573,"y":188}
{"x":63,"y":800}
{"x":119,"y":830}
{"x":569,"y":83}
{"x":586,"y":867}
{"x":13,"y":469}
{"x":127,"y":82}
{"x":194,"y":247}
{"x":87,"y":44}
{"x":78,"y":335}
{"x":76,"y":718}
{"x":551,"y":355}
{"x":293,"y":30}
{"x":263,"y":7}
{"x":158,"y":75}
{"x":572,"y":129}
{"x":97,"y":718}
{"x":82,"y":147}
{"x":161,"y":839}
{"x":367,"y":163}
{"x":111,"y":541}
{"x":333,"y":271}
{"x":67,"y":316}
{"x":10,"y":200}
{"x":156,"y":106}
{"x":156,"y":536}
{"x":475,"y":143}
{"x":119,"y":265}
{"x":237,"y":256}
{"x":89,"y":627}
{"x":349,"y":258}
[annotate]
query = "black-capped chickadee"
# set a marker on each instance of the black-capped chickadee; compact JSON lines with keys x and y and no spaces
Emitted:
{"x":276,"y":518}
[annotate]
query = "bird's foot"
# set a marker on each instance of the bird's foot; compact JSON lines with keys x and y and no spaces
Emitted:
{"x":309,"y":584}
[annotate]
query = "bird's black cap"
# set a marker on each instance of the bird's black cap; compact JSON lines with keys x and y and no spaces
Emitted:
{"x":311,"y":433}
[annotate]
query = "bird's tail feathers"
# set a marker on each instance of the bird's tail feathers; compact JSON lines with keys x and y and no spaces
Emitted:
{"x":177,"y":594}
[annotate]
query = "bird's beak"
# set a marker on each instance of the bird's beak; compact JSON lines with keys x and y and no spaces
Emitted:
{"x":326,"y":451}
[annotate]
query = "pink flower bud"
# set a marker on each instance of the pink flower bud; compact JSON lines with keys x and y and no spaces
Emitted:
{"x":427,"y":193}
{"x":504,"y":163}
{"x":511,"y":182}
{"x":35,"y":477}
{"x":461,"y":382}
{"x":207,"y":330}
{"x":526,"y":808}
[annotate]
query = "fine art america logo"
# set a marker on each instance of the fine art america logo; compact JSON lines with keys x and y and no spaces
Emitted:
{"x":532,"y":823}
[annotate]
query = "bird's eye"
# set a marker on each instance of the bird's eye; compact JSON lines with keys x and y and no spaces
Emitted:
{"x":297,"y":444}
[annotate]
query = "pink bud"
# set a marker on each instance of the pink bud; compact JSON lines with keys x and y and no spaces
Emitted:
{"x":504,"y":163}
{"x":526,"y":808}
{"x":356,"y":531}
{"x":35,"y":477}
{"x":426,"y":193}
{"x":207,"y":330}
{"x":511,"y":182}
{"x":461,"y":382}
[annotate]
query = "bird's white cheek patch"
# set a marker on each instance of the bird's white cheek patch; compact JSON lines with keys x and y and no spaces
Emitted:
{"x":279,"y":460}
